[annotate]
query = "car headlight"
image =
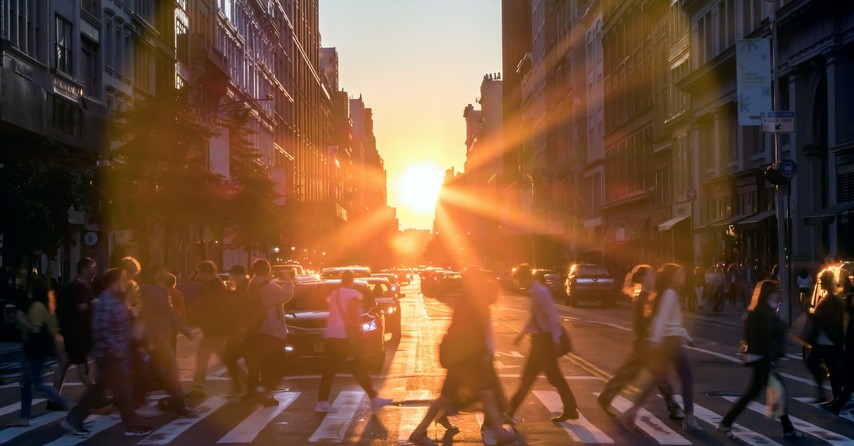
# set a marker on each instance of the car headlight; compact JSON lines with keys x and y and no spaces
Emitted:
{"x":389,"y":310}
{"x":369,"y":326}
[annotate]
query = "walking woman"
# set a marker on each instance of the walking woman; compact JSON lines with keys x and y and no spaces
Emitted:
{"x":39,"y":331}
{"x":847,"y":368}
{"x":467,"y":354}
{"x":667,"y":336}
{"x":765,"y":334}
{"x":343,"y":325}
{"x":828,"y":337}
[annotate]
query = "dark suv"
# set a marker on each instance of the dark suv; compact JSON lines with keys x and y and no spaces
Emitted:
{"x":307,"y":313}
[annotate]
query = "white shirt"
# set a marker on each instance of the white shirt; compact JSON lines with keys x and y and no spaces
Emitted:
{"x":340,"y":301}
{"x":667,"y":322}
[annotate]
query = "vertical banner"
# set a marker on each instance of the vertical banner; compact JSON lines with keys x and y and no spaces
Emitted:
{"x":753,"y":80}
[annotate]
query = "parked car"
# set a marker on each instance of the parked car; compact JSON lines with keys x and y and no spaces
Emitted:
{"x":335,"y":273}
{"x":553,"y":280}
{"x":392,"y":279}
{"x":387,"y":298}
{"x":587,"y":281}
{"x":449,"y":284}
{"x":306,"y":315}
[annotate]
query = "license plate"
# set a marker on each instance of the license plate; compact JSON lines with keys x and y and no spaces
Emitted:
{"x":319,"y":347}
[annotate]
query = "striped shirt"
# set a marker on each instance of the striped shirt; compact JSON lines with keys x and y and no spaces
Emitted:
{"x":110,"y":327}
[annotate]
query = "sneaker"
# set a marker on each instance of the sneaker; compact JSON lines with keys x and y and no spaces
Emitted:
{"x":793,"y":434}
{"x":252,"y":396}
{"x":605,"y":406}
{"x":571,"y":414}
{"x":378,"y":403}
{"x":324,"y":407}
{"x":137,"y":431}
{"x":76,"y":430}
{"x":488,"y":436}
{"x":676,"y":413}
{"x":727,"y":431}
{"x":690,"y":424}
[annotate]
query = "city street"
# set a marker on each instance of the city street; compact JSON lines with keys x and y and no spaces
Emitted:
{"x":412,"y":377}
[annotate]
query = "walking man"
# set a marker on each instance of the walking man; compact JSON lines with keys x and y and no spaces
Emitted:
{"x":216,"y":324}
{"x":545,"y":330}
{"x":111,"y":347}
{"x":73,"y":311}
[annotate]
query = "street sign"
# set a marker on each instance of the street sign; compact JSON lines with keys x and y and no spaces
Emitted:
{"x":778,"y":122}
{"x":788,"y":169}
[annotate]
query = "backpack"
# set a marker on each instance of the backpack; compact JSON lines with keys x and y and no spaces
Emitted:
{"x":254,"y":311}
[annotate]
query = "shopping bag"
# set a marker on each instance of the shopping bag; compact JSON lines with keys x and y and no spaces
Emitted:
{"x":775,"y":396}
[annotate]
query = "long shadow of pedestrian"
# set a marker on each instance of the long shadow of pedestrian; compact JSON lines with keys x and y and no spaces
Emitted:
{"x":373,"y":430}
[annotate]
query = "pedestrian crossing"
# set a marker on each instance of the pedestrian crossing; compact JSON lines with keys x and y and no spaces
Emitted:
{"x":592,"y":426}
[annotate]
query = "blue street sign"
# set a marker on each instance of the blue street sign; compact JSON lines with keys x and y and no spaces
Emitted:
{"x":788,"y":169}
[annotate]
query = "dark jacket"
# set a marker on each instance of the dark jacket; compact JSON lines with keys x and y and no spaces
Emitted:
{"x":828,"y":318}
{"x":765,"y":333}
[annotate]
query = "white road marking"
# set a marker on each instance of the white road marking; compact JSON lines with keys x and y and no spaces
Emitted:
{"x":35,"y":423}
{"x":649,"y":423}
{"x":99,"y":423}
{"x":744,"y":435}
{"x":842,"y":414}
{"x":410,"y":417}
{"x":580,"y":430}
{"x":335,"y":425}
{"x":15,"y":407}
{"x":249,"y":428}
{"x":169,"y":432}
{"x":803,"y":426}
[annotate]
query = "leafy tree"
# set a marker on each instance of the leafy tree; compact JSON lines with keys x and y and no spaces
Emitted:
{"x":38,"y":186}
{"x":253,"y":219}
{"x":158,"y":180}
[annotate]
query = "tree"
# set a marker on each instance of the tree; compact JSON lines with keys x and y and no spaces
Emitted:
{"x":252,"y":216}
{"x":158,"y":181}
{"x":38,"y":186}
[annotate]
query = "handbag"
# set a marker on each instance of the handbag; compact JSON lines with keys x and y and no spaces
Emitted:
{"x":775,"y":395}
{"x":565,"y":342}
{"x":40,"y":344}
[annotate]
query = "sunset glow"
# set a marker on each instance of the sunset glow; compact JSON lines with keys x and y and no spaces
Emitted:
{"x":418,"y":187}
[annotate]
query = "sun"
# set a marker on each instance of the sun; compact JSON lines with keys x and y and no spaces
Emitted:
{"x":418,"y":187}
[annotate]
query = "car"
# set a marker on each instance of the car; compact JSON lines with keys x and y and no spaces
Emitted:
{"x":306,"y":316}
{"x":588,"y":281}
{"x":387,"y":298}
{"x":553,"y":280}
{"x":429,"y":280}
{"x":393,"y":281}
{"x":335,"y":272}
{"x":449,"y":284}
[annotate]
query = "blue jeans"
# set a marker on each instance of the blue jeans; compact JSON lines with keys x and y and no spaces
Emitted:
{"x":32,"y":377}
{"x":115,"y":374}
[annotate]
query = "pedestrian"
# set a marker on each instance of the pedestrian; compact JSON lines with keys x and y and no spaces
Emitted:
{"x":73,"y":311}
{"x":667,"y":337}
{"x":699,"y":282}
{"x":140,"y":369}
{"x":827,"y":339}
{"x":40,"y":337}
{"x":111,"y":348}
{"x":238,"y":288}
{"x":638,"y":285}
{"x":847,"y":368}
{"x":717,"y":288}
{"x":545,"y":330}
{"x":341,"y":337}
{"x":805,"y":284}
{"x":216,"y":322}
{"x":176,"y":303}
{"x":468,"y":341}
{"x":266,"y":332}
{"x":765,"y":337}
{"x":162,"y":325}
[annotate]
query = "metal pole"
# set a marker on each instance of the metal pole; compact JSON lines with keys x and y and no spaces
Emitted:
{"x":779,"y":190}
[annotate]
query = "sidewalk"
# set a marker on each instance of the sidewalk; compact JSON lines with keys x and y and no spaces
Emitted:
{"x":731,"y":316}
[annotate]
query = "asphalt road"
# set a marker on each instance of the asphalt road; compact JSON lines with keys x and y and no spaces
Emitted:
{"x":412,"y":377}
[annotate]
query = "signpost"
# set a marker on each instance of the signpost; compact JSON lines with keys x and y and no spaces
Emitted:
{"x":778,"y":122}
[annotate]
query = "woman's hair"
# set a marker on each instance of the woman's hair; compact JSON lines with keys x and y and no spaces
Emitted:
{"x":764,"y":289}
{"x":41,"y":291}
{"x":635,"y":277}
{"x":664,"y":278}
{"x":347,"y":278}
{"x":131,"y":265}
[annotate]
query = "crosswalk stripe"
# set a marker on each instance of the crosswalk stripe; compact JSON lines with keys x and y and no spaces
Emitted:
{"x":843,"y":414}
{"x":334,"y":425}
{"x":249,"y":428}
{"x":410,"y":417}
{"x":172,"y":430}
{"x":35,"y":423}
{"x":14,"y":407}
{"x":744,"y":435}
{"x":580,"y":430}
{"x":803,"y":426}
{"x":650,"y":424}
{"x":99,"y":423}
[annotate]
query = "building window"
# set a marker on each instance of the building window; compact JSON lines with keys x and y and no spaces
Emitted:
{"x":62,"y":47}
{"x":22,"y":26}
{"x":89,"y":71}
{"x":65,"y":115}
{"x":91,"y":6}
{"x":181,"y":30}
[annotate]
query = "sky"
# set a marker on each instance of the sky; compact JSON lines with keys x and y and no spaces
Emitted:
{"x":417,"y":64}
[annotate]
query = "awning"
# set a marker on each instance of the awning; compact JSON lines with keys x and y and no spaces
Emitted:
{"x":758,"y":218}
{"x":828,"y":215}
{"x":723,"y":223}
{"x":669,"y":224}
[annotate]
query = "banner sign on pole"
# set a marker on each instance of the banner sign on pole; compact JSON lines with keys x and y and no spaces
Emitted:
{"x":753,"y":80}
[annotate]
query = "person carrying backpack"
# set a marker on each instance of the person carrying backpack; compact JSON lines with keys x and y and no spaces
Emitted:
{"x":266,"y":332}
